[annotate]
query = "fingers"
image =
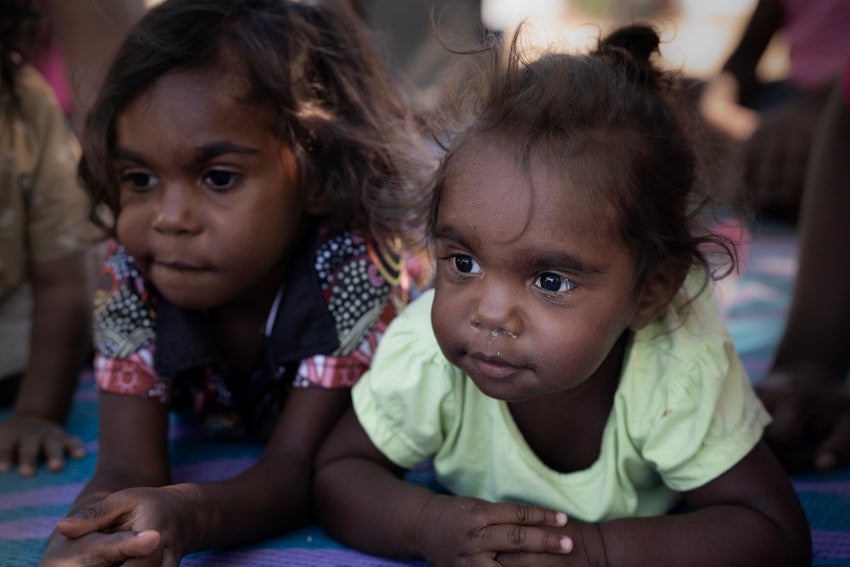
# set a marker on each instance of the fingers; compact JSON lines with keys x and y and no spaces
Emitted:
{"x":509,"y":538}
{"x":139,"y":544}
{"x":105,"y":549}
{"x":518,"y":527}
{"x":28,"y":455}
{"x":25,"y":440}
{"x":119,"y":547}
{"x":94,"y":517}
{"x":7,"y":447}
{"x":54,"y":453}
{"x":834,"y":451}
{"x":788,"y":422}
{"x":505,"y":513}
{"x":55,"y":449}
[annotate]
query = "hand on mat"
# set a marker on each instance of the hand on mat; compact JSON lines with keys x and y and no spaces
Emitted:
{"x":811,"y":419}
{"x":100,"y":549}
{"x":454,"y":530}
{"x":135,"y":510}
{"x":25,"y":438}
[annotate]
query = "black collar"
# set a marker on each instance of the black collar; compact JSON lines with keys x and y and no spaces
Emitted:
{"x":303,"y":326}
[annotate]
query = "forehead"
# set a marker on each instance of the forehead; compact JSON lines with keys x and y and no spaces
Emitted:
{"x":188,"y":106}
{"x":490,"y":186}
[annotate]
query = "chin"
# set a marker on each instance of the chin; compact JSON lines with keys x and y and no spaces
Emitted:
{"x":188,"y":300}
{"x":507,"y":392}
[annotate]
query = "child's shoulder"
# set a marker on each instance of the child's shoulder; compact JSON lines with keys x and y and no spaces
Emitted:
{"x":348,"y":253}
{"x":124,"y":304}
{"x":690,"y":323}
{"x":687,"y":349}
{"x":359,"y":281}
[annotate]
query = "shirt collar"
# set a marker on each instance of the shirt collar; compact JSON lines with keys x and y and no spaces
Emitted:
{"x":302,"y":328}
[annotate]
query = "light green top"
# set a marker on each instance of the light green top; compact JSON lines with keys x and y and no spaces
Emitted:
{"x":684,"y":413}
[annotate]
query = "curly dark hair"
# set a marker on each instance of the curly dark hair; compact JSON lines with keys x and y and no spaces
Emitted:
{"x":610,"y":122}
{"x":335,"y":105}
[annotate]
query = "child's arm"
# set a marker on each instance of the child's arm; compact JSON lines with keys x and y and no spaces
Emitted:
{"x":269,"y":498}
{"x":60,"y":330}
{"x":133,"y":452}
{"x":362,"y":501}
{"x":748,"y":516}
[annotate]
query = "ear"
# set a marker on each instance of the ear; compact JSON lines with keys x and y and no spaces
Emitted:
{"x":656,"y":293}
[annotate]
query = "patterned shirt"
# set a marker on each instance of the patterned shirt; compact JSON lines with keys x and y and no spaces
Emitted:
{"x":339,"y":297}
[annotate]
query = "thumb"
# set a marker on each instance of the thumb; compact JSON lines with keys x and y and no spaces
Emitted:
{"x":834,"y":451}
{"x":119,"y":547}
{"x":139,"y":544}
{"x":92,"y":518}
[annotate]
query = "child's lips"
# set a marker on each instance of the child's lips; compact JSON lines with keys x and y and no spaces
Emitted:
{"x":494,"y":366}
{"x":178,"y":265}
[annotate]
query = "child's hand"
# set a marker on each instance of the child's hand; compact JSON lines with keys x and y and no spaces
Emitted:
{"x":137,"y":510}
{"x":454,"y":530}
{"x":100,"y":549}
{"x":26,"y":437}
{"x":588,"y":549}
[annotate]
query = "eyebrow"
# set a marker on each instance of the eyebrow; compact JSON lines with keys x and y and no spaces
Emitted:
{"x":202,"y":153}
{"x":534,"y":260}
{"x":559,"y":260}
{"x":452,"y":234}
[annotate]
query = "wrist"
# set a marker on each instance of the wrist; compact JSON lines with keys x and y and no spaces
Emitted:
{"x":592,"y":541}
{"x":419,"y":540}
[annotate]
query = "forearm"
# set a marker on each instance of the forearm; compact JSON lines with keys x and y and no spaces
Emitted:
{"x":59,"y":339}
{"x":350,"y":490}
{"x":717,"y":535}
{"x":764,"y":22}
{"x":268,"y":499}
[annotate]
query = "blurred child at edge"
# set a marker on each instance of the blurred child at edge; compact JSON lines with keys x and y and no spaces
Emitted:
{"x":46,"y":256}
{"x":260,"y":166}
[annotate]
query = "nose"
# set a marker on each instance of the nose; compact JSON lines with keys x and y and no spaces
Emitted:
{"x":497,"y":311}
{"x":176,"y":211}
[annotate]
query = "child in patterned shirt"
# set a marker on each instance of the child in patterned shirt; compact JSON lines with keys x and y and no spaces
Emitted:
{"x":260,"y":167}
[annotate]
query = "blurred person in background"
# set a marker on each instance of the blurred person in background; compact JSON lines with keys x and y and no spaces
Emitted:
{"x":775,"y":121}
{"x":806,"y":388}
{"x":45,"y":244}
{"x":83,"y":36}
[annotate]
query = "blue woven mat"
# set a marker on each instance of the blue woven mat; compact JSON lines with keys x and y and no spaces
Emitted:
{"x":755,"y":304}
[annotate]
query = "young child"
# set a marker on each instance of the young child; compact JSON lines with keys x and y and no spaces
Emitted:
{"x":259,"y":165}
{"x":569,"y":374}
{"x":46,"y":256}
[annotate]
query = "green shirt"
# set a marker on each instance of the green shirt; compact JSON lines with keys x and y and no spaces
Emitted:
{"x":684,"y":413}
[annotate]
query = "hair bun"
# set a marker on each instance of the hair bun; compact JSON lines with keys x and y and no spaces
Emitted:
{"x":639,"y":40}
{"x":631,"y":48}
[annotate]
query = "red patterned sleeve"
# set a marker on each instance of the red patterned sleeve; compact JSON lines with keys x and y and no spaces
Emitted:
{"x":361,"y":283}
{"x":124,"y":330}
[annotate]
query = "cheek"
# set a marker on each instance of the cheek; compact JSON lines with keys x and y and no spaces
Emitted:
{"x":445,"y":320}
{"x":129,"y":227}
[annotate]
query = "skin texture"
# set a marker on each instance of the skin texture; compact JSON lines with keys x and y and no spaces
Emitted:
{"x":533,"y":298}
{"x":60,"y":326}
{"x":805,"y":388}
{"x":210,"y":209}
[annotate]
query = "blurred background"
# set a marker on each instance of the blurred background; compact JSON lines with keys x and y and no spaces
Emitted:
{"x":697,"y":35}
